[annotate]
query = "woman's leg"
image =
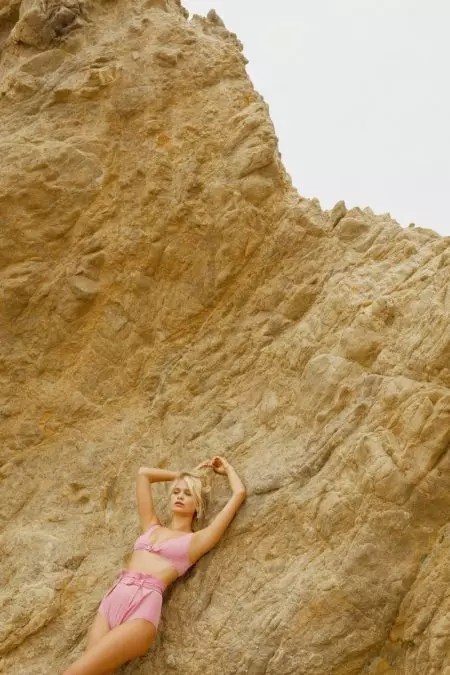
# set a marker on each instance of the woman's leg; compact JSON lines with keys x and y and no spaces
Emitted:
{"x":98,"y":629}
{"x":121,"y":644}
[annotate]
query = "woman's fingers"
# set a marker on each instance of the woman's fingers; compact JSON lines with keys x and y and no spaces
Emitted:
{"x":219,"y":464}
{"x":220,"y":461}
{"x":206,"y":463}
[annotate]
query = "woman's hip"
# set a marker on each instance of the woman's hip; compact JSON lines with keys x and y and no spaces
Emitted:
{"x":133,"y":595}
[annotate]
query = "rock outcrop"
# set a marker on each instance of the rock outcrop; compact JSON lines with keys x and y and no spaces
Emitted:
{"x":166,"y":295}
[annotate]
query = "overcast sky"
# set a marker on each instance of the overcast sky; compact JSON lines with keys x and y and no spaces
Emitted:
{"x":359,"y":93}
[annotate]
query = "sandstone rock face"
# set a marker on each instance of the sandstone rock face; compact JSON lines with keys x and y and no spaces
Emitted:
{"x":167,"y":295}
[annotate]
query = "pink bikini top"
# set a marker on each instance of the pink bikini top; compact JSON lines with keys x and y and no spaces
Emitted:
{"x":175,"y":549}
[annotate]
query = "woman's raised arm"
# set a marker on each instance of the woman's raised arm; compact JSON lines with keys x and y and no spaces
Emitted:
{"x":144,"y":498}
{"x":204,"y":540}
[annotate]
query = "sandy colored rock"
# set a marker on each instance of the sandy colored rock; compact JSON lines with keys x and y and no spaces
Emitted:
{"x":166,"y":295}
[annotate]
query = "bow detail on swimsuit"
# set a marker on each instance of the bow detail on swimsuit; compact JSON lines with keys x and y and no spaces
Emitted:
{"x":153,"y":547}
{"x":141,"y":583}
{"x":140,"y":580}
{"x":173,"y":549}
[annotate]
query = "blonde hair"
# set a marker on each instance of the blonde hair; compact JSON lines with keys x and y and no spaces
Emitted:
{"x":200,"y":486}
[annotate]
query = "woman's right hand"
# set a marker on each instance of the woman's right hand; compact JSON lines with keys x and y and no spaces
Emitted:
{"x":220,"y":465}
{"x":204,"y":465}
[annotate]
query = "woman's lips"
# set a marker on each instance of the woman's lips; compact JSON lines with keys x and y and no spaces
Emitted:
{"x":178,"y":504}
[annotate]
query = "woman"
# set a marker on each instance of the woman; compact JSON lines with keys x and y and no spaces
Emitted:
{"x":127,"y":621}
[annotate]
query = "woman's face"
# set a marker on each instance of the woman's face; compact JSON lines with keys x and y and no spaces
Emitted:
{"x":181,"y":499}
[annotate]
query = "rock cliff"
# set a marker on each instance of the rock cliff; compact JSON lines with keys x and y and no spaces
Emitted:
{"x":166,"y":295}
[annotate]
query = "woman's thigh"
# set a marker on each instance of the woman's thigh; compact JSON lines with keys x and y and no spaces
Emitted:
{"x":98,"y":629}
{"x":121,"y":644}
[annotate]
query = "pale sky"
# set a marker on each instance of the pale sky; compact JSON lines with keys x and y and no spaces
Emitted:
{"x":359,"y":93}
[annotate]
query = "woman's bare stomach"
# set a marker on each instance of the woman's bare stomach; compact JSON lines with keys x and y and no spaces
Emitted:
{"x":152,"y":563}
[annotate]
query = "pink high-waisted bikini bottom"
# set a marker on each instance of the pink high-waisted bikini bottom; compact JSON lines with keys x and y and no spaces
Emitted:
{"x":134,"y":595}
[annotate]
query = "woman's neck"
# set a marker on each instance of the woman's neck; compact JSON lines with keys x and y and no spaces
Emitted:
{"x":181,"y":523}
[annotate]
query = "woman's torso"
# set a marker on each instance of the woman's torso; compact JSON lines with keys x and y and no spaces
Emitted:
{"x":155,"y":562}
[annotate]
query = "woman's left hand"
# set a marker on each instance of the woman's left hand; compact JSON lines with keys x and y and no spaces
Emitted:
{"x":220,"y":465}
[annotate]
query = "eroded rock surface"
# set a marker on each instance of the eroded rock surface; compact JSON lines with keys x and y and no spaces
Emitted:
{"x":165,"y":295}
